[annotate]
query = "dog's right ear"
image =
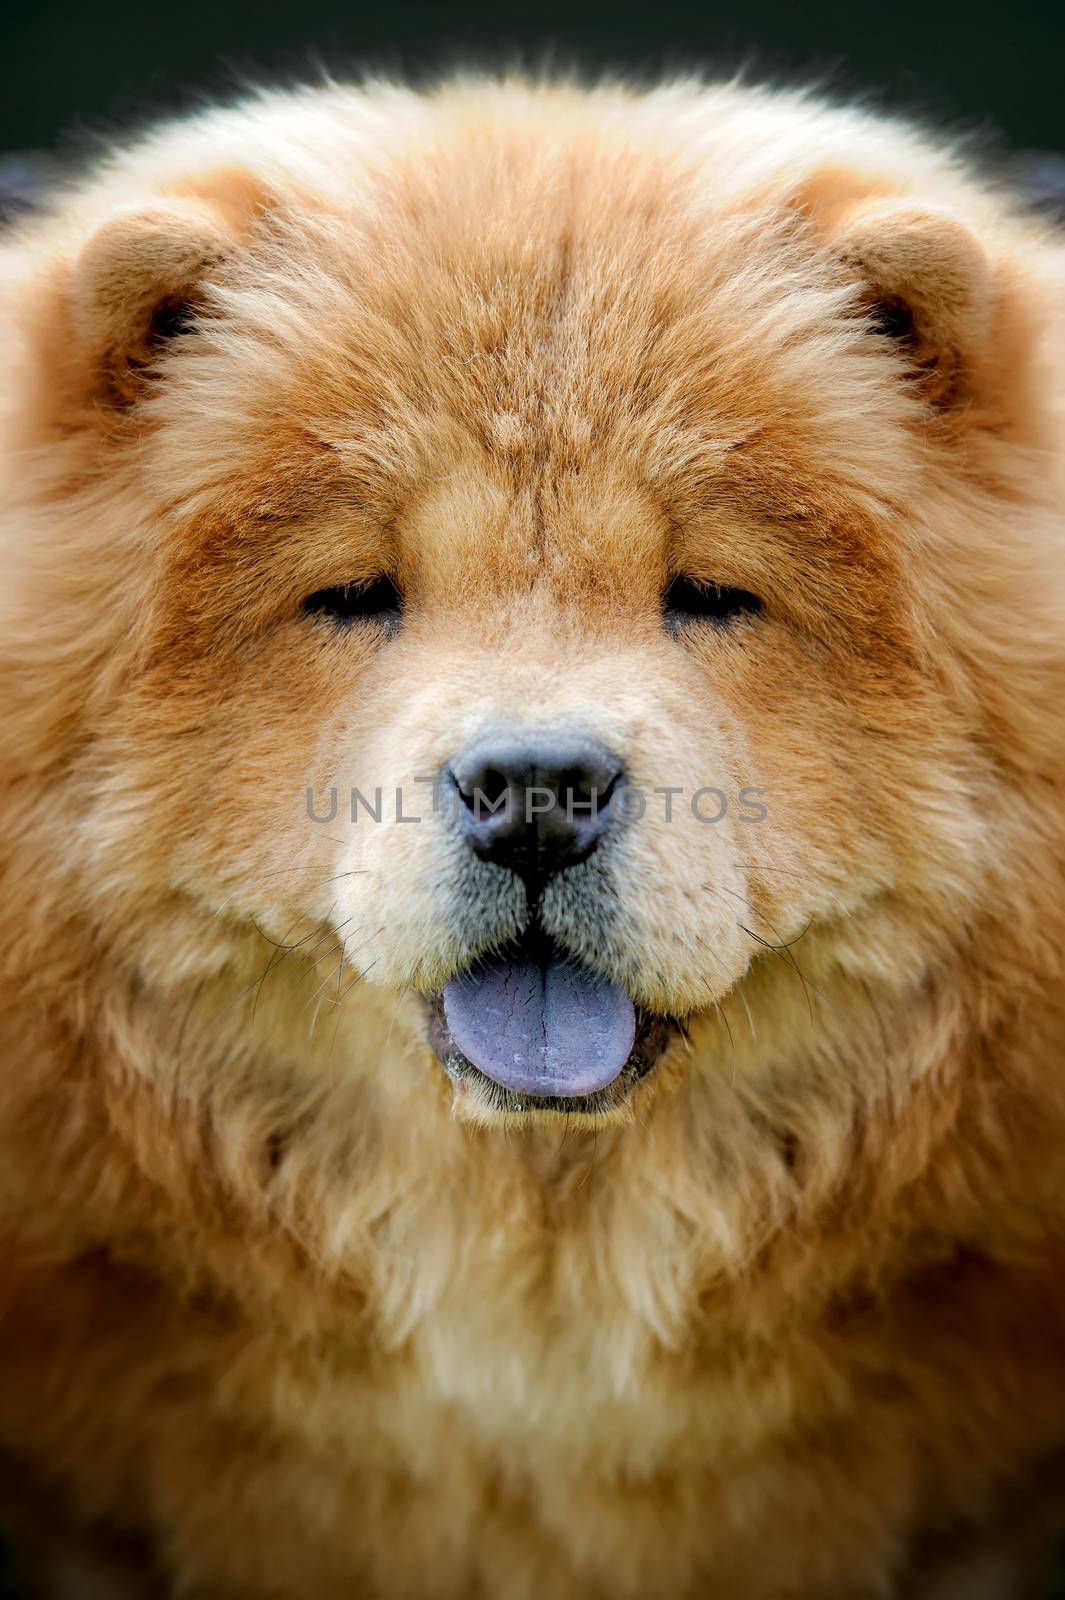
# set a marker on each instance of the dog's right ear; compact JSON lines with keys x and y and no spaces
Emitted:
{"x":135,"y":283}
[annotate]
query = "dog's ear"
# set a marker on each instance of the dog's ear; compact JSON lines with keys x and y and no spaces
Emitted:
{"x":136,"y":283}
{"x":133,"y":283}
{"x":928,"y":284}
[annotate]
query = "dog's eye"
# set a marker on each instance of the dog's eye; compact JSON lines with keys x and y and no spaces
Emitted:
{"x":686,"y":601}
{"x":379,"y":601}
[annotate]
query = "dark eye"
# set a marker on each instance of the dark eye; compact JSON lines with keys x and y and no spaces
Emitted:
{"x":379,"y":601}
{"x":686,"y":601}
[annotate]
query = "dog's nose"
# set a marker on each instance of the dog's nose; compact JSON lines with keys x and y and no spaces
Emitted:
{"x":535,"y":803}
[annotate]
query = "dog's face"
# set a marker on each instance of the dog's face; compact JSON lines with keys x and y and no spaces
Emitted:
{"x":523,"y":600}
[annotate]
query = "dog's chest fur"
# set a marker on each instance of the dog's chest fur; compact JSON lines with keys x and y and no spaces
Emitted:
{"x":517,"y":1364}
{"x":539,"y":1382}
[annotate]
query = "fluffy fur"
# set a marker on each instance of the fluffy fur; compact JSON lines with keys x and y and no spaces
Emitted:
{"x":285,"y":1312}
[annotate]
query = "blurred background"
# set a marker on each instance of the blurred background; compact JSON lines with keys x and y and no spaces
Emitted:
{"x":78,"y":72}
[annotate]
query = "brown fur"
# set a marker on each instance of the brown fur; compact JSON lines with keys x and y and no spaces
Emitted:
{"x":283,"y":1310}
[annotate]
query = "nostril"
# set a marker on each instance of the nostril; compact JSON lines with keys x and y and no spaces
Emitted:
{"x":587,"y":790}
{"x":494,"y":785}
{"x":482,"y":789}
{"x":577,"y":782}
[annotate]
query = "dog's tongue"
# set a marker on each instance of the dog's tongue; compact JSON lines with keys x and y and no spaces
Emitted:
{"x":541,"y":1026}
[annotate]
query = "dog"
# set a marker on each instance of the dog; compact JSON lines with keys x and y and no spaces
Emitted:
{"x":533,"y":646}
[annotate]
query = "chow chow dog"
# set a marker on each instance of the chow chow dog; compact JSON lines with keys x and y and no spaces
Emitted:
{"x":533,"y":654}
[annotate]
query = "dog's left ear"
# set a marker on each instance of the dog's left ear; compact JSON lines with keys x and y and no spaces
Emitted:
{"x":928,"y":284}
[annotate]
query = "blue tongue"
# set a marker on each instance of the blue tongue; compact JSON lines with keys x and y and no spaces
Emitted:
{"x":543,"y":1027}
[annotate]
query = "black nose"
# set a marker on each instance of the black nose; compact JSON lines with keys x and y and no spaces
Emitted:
{"x":536,"y":802}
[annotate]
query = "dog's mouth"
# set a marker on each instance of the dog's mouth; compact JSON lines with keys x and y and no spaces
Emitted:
{"x":541,"y":1031}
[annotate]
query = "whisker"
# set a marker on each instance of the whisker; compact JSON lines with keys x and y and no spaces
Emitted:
{"x":317,"y":954}
{"x":788,"y":960}
{"x":728,"y":1030}
{"x":353,"y":872}
{"x":765,"y":866}
{"x":782,"y":944}
{"x":744,"y":1003}
{"x":737,"y":990}
{"x":339,"y":945}
{"x":359,"y":975}
{"x":332,"y":1048}
{"x":782,"y":950}
{"x":757,"y":867}
{"x":344,"y":953}
{"x":274,"y":962}
{"x":266,"y":937}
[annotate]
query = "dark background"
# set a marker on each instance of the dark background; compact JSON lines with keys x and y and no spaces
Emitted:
{"x":76,"y":69}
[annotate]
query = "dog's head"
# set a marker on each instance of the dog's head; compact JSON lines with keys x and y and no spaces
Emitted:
{"x":555,"y":558}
